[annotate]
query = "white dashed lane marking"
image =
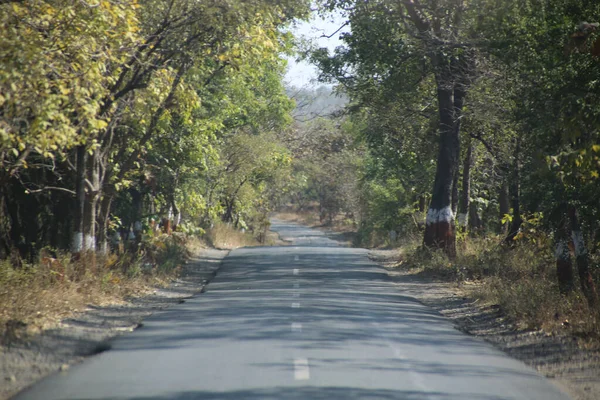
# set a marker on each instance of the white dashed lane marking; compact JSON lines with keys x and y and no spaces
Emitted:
{"x":295,"y":305}
{"x":296,"y":327}
{"x":296,"y":271}
{"x":301,"y":370}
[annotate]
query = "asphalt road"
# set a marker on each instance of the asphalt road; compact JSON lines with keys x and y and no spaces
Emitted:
{"x":307,"y":321}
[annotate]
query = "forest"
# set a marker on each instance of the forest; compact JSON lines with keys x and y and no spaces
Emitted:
{"x":465,"y":132}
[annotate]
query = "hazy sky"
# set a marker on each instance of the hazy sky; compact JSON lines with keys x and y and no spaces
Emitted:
{"x":303,"y":74}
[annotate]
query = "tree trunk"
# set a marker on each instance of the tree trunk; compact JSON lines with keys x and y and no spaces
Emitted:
{"x":439,"y":229}
{"x":465,"y":197}
{"x":103,"y":221}
{"x":582,"y":259}
{"x":422,"y":202}
{"x":228,"y":216}
{"x":564,"y":266}
{"x":90,"y":209}
{"x":514,"y":189}
{"x":504,"y":205}
{"x":475,"y":222}
{"x":77,"y":238}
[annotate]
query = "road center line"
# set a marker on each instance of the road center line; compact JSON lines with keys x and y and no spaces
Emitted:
{"x":301,"y":370}
{"x":295,"y":305}
{"x":296,"y":327}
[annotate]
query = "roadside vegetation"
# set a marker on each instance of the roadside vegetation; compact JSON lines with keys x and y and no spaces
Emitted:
{"x":470,"y":140}
{"x":131,"y":134}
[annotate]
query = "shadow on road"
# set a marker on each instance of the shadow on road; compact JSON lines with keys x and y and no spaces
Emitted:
{"x":319,"y":393}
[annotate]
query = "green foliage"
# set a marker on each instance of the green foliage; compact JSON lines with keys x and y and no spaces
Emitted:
{"x":55,"y":69}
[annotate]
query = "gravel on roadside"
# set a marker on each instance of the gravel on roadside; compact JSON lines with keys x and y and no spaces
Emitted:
{"x":25,"y":361}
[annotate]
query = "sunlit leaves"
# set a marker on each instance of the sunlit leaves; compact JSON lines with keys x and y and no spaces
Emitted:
{"x":53,"y":69}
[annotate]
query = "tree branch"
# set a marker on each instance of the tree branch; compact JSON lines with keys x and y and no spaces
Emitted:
{"x":45,"y":188}
{"x":337,"y":30}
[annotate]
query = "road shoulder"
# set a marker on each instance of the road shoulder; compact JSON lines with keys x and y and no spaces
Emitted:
{"x":27,"y":361}
{"x":570,"y":364}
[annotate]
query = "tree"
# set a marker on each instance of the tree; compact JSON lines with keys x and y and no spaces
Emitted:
{"x":406,"y":33}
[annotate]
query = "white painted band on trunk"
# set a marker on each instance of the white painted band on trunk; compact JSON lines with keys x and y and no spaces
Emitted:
{"x":90,"y":242}
{"x":462,"y":219}
{"x":77,"y":242}
{"x":579,"y":243}
{"x":444,"y":215}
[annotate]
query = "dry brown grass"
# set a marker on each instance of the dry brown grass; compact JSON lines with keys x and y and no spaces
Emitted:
{"x":37,"y":296}
{"x":34,"y":299}
{"x":520,"y":280}
{"x":223,"y":236}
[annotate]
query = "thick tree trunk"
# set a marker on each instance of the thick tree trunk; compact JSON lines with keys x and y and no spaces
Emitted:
{"x":440,"y":229}
{"x":564,"y":266}
{"x":465,"y":197}
{"x":582,"y":259}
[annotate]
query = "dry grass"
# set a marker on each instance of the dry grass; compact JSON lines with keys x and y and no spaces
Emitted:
{"x":520,"y":280}
{"x":223,"y":236}
{"x":37,"y":296}
{"x":304,"y":217}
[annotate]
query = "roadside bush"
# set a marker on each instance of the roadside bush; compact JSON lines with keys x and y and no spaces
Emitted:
{"x":520,"y":280}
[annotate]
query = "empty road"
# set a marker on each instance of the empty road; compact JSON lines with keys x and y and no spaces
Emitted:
{"x":307,"y":321}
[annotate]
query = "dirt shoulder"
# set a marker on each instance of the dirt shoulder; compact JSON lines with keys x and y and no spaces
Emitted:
{"x":25,"y":361}
{"x":570,"y":363}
